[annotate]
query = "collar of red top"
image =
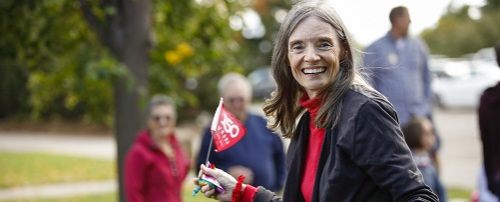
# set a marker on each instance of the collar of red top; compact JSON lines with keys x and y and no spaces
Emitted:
{"x":312,"y":105}
{"x":145,"y":138}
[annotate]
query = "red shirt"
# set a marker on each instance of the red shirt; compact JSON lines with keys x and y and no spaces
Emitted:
{"x":313,"y":148}
{"x":312,"y":155}
{"x":149,"y":174}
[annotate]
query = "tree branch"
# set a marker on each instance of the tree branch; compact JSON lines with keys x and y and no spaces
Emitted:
{"x":93,"y":21}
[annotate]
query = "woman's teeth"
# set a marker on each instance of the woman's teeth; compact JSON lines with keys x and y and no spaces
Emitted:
{"x":314,"y":71}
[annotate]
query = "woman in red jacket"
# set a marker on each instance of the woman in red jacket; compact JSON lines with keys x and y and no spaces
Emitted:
{"x":155,"y":166}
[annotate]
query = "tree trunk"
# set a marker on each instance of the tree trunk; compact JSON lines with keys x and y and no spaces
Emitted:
{"x":126,"y":33}
{"x":134,"y":53}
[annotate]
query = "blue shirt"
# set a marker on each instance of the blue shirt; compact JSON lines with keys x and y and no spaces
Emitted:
{"x":259,"y":150}
{"x":399,"y":70}
{"x":430,"y":174}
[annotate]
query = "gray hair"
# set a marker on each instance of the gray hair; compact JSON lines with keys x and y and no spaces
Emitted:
{"x":229,"y":79}
{"x":161,"y":99}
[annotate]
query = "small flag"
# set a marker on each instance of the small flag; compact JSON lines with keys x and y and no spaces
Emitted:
{"x":226,"y":129}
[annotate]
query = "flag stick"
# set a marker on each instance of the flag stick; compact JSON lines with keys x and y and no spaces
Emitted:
{"x":209,"y":150}
{"x":213,"y":128}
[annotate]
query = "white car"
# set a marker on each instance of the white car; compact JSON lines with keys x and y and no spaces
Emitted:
{"x":464,"y":82}
{"x":262,"y":82}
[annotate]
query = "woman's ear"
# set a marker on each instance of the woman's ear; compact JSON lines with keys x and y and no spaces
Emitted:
{"x":344,"y":50}
{"x":343,"y":54}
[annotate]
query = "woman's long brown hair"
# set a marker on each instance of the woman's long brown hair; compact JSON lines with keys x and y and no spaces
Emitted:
{"x":283,"y":106}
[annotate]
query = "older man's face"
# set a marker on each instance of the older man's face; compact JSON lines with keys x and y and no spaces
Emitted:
{"x":236,"y":99}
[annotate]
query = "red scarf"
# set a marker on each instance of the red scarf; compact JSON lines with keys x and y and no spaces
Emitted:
{"x":313,"y":149}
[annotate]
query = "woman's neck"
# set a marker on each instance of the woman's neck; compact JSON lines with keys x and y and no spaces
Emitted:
{"x":159,"y":140}
{"x":164,"y":145}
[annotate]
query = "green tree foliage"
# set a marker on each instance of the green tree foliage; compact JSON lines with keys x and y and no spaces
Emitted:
{"x":260,"y":48}
{"x":191,"y":52}
{"x":53,"y":64}
{"x":57,"y":64}
{"x":457,"y":34}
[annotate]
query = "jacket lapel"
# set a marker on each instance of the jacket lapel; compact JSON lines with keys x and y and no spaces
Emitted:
{"x":295,"y":159}
{"x":328,"y":140}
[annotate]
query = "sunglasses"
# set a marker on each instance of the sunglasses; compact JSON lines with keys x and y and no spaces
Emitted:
{"x":232,"y":100}
{"x":158,"y":118}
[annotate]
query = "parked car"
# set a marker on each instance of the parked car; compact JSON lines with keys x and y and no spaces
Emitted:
{"x":437,"y":66}
{"x":461,"y":83}
{"x":262,"y":82}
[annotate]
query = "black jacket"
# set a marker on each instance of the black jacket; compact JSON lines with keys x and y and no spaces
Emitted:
{"x":363,"y":158}
{"x":489,"y":119}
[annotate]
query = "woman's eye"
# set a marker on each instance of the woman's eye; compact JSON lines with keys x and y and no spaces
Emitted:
{"x":325,"y":45}
{"x":297,"y":47}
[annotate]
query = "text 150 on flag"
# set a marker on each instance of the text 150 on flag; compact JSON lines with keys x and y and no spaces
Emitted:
{"x":226,"y":129}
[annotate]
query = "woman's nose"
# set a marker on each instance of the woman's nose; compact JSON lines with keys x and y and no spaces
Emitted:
{"x":311,"y":54}
{"x":163,"y":121}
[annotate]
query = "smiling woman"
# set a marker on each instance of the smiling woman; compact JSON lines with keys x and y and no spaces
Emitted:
{"x":346,"y":144}
{"x":314,"y":55}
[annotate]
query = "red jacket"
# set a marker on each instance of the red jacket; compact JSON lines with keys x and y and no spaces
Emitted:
{"x":149,"y":175}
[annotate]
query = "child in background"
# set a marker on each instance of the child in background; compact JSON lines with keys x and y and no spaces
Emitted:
{"x":420,"y":138}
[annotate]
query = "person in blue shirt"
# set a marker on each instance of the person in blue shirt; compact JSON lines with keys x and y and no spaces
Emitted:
{"x":260,"y":154}
{"x":397,"y":66}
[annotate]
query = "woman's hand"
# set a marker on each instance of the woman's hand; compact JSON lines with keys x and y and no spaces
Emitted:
{"x":236,"y":171}
{"x":227,"y":181}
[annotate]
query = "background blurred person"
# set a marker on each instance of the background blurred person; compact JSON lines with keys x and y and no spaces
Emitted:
{"x":489,"y":126}
{"x":346,"y":144}
{"x":259,"y":155}
{"x":482,"y":193}
{"x":420,"y":138}
{"x":397,"y":67}
{"x":155,"y":166}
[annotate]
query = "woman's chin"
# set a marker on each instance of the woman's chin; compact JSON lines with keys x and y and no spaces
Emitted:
{"x":162,"y":133}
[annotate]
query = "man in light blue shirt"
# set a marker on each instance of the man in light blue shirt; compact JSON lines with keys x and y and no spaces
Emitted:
{"x":397,"y":66}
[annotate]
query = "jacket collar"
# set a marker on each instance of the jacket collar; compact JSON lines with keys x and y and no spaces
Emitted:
{"x":145,"y":138}
{"x":312,"y":105}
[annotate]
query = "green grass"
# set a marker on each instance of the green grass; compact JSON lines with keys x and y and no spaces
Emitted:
{"x":453,"y":193}
{"x":22,"y":169}
{"x":459,"y":193}
{"x":188,"y":190}
{"x":109,"y":197}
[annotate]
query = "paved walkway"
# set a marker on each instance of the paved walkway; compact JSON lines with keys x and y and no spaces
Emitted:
{"x":101,"y":147}
{"x":59,"y":190}
{"x":460,"y":154}
{"x":91,"y":146}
